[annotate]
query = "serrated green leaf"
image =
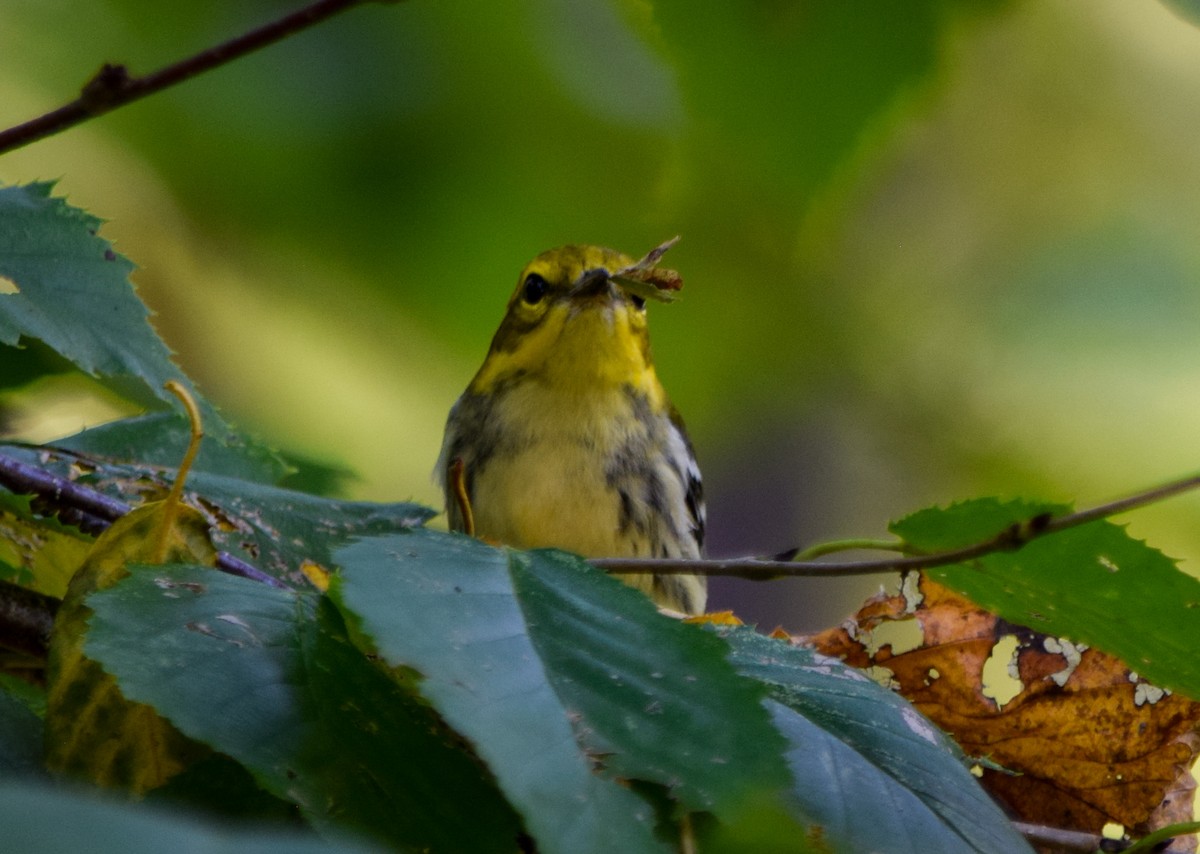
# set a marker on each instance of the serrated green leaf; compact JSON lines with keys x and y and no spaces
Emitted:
{"x":160,"y":439}
{"x":45,"y":820}
{"x":855,"y":742}
{"x":1093,"y":584}
{"x":554,"y":670}
{"x":269,"y":678}
{"x":965,"y":523}
{"x":73,"y":294}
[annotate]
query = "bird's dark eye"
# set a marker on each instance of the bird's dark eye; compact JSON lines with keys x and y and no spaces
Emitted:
{"x":534,"y":289}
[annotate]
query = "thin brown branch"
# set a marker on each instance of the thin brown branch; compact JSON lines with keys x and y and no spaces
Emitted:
{"x":1065,"y":840}
{"x":1013,"y":537}
{"x":113,"y":86}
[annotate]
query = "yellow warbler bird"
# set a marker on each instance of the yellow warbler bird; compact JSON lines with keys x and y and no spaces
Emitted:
{"x":565,"y":437}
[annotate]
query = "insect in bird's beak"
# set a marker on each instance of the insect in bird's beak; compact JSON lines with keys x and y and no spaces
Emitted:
{"x":593,"y":283}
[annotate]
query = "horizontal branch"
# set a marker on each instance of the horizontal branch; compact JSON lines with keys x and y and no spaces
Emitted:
{"x":113,"y":86}
{"x":101,"y":510}
{"x":93,"y":512}
{"x":1066,"y":840}
{"x":1013,"y":537}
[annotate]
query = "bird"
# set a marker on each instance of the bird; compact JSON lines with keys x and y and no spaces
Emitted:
{"x":565,"y":437}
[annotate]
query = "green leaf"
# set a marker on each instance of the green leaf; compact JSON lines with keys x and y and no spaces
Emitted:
{"x":555,"y":671}
{"x":273,"y":528}
{"x":855,"y":742}
{"x":72,"y":292}
{"x":965,"y":523}
{"x":659,"y":701}
{"x":1093,"y":584}
{"x":20,"y":733}
{"x":269,"y":678}
{"x":278,"y":529}
{"x":221,"y":787}
{"x":93,"y":731}
{"x":45,"y":820}
{"x":32,"y":697}
{"x":160,"y":439}
{"x":1188,"y":10}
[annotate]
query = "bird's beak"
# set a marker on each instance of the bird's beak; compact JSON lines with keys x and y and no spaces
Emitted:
{"x":592,"y":283}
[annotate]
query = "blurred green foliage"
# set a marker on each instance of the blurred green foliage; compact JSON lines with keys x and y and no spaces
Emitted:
{"x":931,"y":248}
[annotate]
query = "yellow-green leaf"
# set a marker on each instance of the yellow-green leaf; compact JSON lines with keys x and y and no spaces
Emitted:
{"x":92,"y":731}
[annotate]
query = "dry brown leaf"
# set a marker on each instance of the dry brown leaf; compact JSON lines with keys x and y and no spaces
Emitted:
{"x":1090,"y":741}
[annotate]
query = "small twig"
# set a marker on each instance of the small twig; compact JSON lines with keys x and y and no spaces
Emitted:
{"x":1013,"y":537}
{"x":24,"y":479}
{"x":114,"y":87}
{"x":231,"y":565}
{"x":1070,"y":840}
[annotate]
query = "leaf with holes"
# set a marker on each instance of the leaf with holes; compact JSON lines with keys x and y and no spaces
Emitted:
{"x":269,"y":678}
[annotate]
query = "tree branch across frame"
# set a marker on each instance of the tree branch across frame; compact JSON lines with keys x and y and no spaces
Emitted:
{"x":79,"y":502}
{"x":1013,"y":537}
{"x":113,"y":86}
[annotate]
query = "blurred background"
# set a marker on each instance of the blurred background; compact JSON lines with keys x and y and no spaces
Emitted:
{"x":932,"y":250}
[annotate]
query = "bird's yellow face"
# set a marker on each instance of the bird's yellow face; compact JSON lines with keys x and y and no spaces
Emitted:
{"x":570,"y":326}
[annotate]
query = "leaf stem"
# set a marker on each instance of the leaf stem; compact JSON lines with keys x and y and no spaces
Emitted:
{"x":113,"y":86}
{"x":851,"y":544}
{"x":1152,"y":841}
{"x":175,"y":496}
{"x":1059,"y":838}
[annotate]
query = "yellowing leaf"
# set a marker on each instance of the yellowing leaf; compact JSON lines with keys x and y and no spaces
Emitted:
{"x":317,"y":575}
{"x":92,"y":731}
{"x":44,"y":556}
